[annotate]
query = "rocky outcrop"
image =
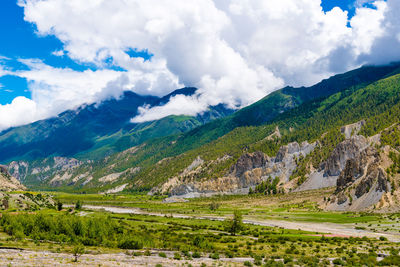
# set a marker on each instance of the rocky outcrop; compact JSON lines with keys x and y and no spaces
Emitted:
{"x":351,"y":172}
{"x":375,"y":175}
{"x":363,"y":181}
{"x":329,"y":172}
{"x":248,"y":171}
{"x":43,"y":169}
{"x":352,"y":129}
{"x":249,"y":161}
{"x":8,"y":182}
{"x":348,"y":149}
{"x":19,"y":169}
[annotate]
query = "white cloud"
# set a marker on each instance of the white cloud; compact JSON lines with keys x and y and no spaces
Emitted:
{"x":385,"y":47}
{"x":58,"y":89}
{"x":58,"y":53}
{"x":55,"y":90}
{"x":178,"y":105}
{"x":367,"y":26}
{"x":234,"y":51}
{"x":20,"y":111}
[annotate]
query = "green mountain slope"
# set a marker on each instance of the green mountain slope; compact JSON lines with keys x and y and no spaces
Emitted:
{"x":166,"y":157}
{"x":94,"y":131}
{"x":379,"y":101}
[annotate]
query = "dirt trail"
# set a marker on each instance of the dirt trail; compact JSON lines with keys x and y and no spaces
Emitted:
{"x":328,"y":228}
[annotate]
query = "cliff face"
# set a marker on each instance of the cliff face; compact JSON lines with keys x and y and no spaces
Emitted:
{"x":248,"y":171}
{"x":349,"y":149}
{"x":362,"y":182}
{"x":7,"y":182}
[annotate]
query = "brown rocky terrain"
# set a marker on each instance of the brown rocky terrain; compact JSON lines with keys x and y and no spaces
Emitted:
{"x":8,"y":182}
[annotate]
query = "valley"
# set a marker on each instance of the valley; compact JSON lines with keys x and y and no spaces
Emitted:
{"x":306,"y":176}
{"x":280,"y":230}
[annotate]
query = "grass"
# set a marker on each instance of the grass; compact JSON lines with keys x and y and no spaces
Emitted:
{"x":291,"y":207}
{"x":209,"y":238}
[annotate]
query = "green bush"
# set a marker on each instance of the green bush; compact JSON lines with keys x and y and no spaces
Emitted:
{"x":130,"y":243}
{"x":196,"y":254}
{"x":214,"y":256}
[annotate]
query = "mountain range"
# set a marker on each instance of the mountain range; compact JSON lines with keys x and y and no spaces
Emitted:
{"x":342,"y":132}
{"x":97,"y":130}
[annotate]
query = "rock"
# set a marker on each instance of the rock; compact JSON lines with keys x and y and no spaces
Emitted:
{"x":249,"y":170}
{"x":350,"y":173}
{"x":352,"y":129}
{"x":341,"y":198}
{"x":8,"y":182}
{"x":283,"y":152}
{"x":374,"y":175}
{"x":362,"y":179}
{"x":196,"y":163}
{"x":249,"y":161}
{"x":348,"y":149}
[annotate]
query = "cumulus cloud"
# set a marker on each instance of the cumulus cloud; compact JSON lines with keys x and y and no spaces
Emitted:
{"x":385,"y":47}
{"x":234,"y":51}
{"x":21,"y":111}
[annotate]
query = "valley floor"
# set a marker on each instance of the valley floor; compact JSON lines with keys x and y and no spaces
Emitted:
{"x":324,"y":228}
{"x":14,"y":257}
{"x":288,"y":228}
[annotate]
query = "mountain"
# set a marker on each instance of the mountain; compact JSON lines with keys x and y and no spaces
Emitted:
{"x":349,"y":140}
{"x":93,"y":131}
{"x":304,"y":145}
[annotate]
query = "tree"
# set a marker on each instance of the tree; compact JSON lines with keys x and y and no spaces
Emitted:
{"x":78,"y":205}
{"x":236,"y":224}
{"x":59,"y":205}
{"x":78,"y":251}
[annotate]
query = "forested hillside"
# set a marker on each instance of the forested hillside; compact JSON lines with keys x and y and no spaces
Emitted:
{"x":153,"y":163}
{"x":97,"y":130}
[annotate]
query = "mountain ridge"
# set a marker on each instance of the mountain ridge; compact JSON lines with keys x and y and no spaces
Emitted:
{"x":76,"y":131}
{"x":164,"y":158}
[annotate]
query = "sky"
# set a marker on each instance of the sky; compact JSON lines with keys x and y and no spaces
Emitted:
{"x":59,"y":54}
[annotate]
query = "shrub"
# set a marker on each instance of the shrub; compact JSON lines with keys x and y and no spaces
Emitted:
{"x":196,"y":254}
{"x":77,"y":251}
{"x":214,"y":256}
{"x":130,"y":243}
{"x":162,"y":254}
{"x":338,"y":262}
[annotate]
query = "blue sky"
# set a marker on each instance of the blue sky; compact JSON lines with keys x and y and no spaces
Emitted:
{"x":19,"y":40}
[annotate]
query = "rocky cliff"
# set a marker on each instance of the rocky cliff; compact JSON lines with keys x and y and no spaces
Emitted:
{"x":248,"y":171}
{"x":8,"y":182}
{"x":361,"y":182}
